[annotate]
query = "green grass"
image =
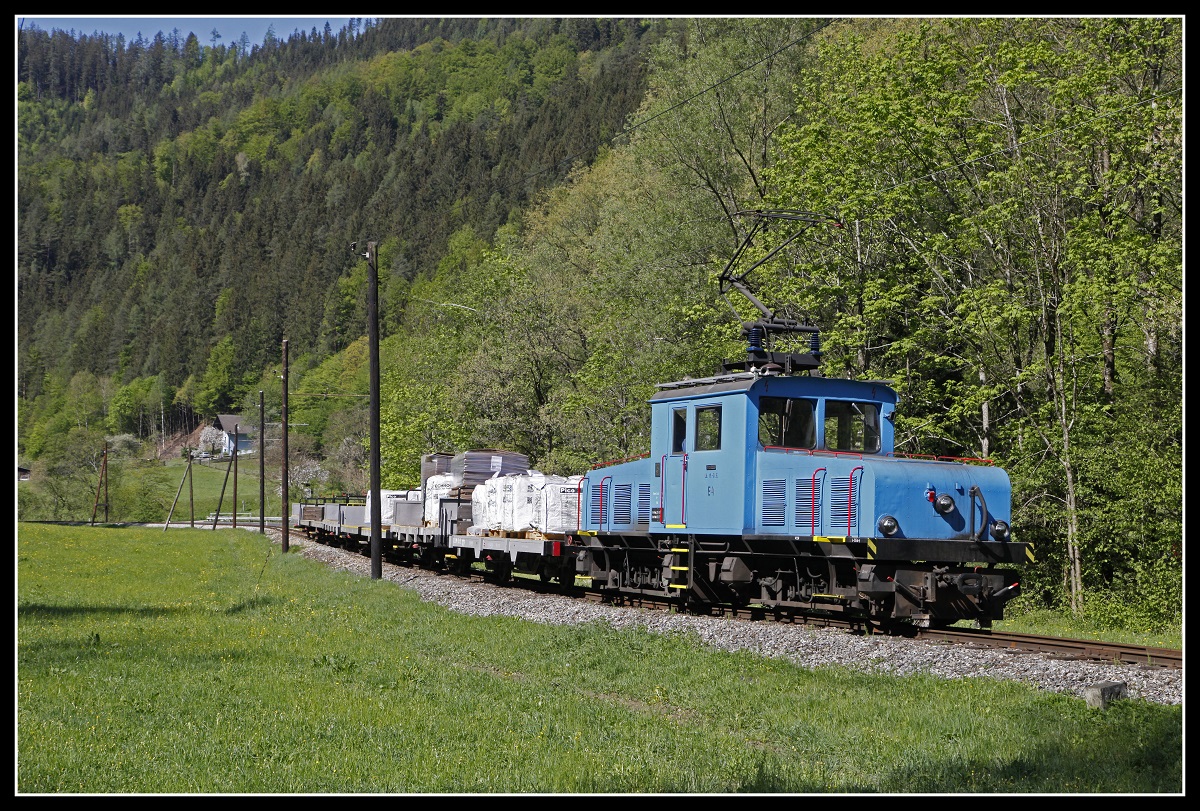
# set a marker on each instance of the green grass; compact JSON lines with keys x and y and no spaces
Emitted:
{"x":1042,"y":621}
{"x":208,"y":479}
{"x":193,"y":661}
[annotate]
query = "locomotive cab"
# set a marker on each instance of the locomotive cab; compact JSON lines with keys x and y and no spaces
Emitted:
{"x":709,"y":436}
{"x":785,"y":490}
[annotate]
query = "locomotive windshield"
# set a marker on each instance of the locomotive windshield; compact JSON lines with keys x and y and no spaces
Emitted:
{"x":851,"y":426}
{"x":791,"y":422}
{"x":787,"y":421}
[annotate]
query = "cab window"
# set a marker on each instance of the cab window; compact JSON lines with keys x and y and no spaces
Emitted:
{"x":851,"y":426}
{"x":789,"y":422}
{"x":708,"y":428}
{"x":678,"y":430}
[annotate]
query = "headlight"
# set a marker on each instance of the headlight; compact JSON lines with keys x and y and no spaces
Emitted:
{"x":1001,"y":531}
{"x":944,"y":504}
{"x":888,"y":525}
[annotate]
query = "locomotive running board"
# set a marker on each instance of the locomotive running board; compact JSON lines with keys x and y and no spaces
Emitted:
{"x":903,"y":549}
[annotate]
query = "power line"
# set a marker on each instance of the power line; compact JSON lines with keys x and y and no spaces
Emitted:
{"x":795,"y":42}
{"x":444,"y":303}
{"x":326,"y":394}
{"x":729,"y":78}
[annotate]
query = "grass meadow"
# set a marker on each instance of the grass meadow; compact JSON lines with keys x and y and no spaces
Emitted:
{"x":146,"y":491}
{"x":198,"y":662}
{"x":213,"y":484}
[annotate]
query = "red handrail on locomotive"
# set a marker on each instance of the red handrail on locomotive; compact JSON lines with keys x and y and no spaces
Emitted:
{"x":850,"y":501}
{"x":813,"y":523}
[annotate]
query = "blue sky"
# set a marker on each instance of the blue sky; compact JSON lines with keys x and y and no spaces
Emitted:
{"x":230,"y":26}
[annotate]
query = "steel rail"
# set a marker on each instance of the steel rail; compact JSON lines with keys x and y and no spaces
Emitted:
{"x":1112,"y":652}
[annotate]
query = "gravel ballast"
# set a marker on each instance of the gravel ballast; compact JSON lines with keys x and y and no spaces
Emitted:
{"x":806,"y":646}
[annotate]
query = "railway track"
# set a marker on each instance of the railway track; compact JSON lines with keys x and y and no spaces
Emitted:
{"x":1064,"y":648}
{"x":1071,"y":649}
{"x":1078,"y":649}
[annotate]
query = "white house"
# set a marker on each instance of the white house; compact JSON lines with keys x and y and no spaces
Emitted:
{"x":236,"y":435}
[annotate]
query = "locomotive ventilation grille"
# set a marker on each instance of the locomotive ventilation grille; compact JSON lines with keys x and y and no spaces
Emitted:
{"x":774,"y":502}
{"x":618,"y":499}
{"x":843,"y":509}
{"x":808,"y":507}
{"x":623,"y":504}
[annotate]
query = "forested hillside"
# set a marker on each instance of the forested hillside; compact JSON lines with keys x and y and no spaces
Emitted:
{"x":553,"y":201}
{"x":172,"y":195}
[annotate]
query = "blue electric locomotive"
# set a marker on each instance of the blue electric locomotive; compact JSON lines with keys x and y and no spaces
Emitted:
{"x":785,"y":491}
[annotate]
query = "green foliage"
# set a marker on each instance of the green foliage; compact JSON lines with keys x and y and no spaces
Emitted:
{"x":139,"y":406}
{"x":1029,"y":310}
{"x":419,"y":410}
{"x":145,"y":498}
{"x":330,"y":387}
{"x":239,"y":183}
{"x":345,"y":310}
{"x":66,"y":475}
{"x":226,"y":380}
{"x":140,"y":490}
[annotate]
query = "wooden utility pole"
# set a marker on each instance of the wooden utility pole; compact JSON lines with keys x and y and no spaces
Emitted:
{"x":262,"y":468}
{"x":236,"y":428}
{"x":187,"y":476}
{"x":221,"y":499}
{"x":103,"y":483}
{"x":373,"y":341}
{"x":285,"y":508}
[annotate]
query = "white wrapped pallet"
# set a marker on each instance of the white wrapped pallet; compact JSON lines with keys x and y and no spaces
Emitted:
{"x":561,"y":504}
{"x":491,"y":520}
{"x":479,"y":509}
{"x":507,"y":489}
{"x":527,"y":501}
{"x":436,"y":487}
{"x":386,"y":498}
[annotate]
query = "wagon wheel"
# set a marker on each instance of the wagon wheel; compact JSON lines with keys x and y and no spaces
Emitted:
{"x":700,"y":608}
{"x":566,"y":574}
{"x":462,"y":564}
{"x":502,"y":569}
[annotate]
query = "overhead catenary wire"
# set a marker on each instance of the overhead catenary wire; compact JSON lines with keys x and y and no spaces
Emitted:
{"x":925,"y":177}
